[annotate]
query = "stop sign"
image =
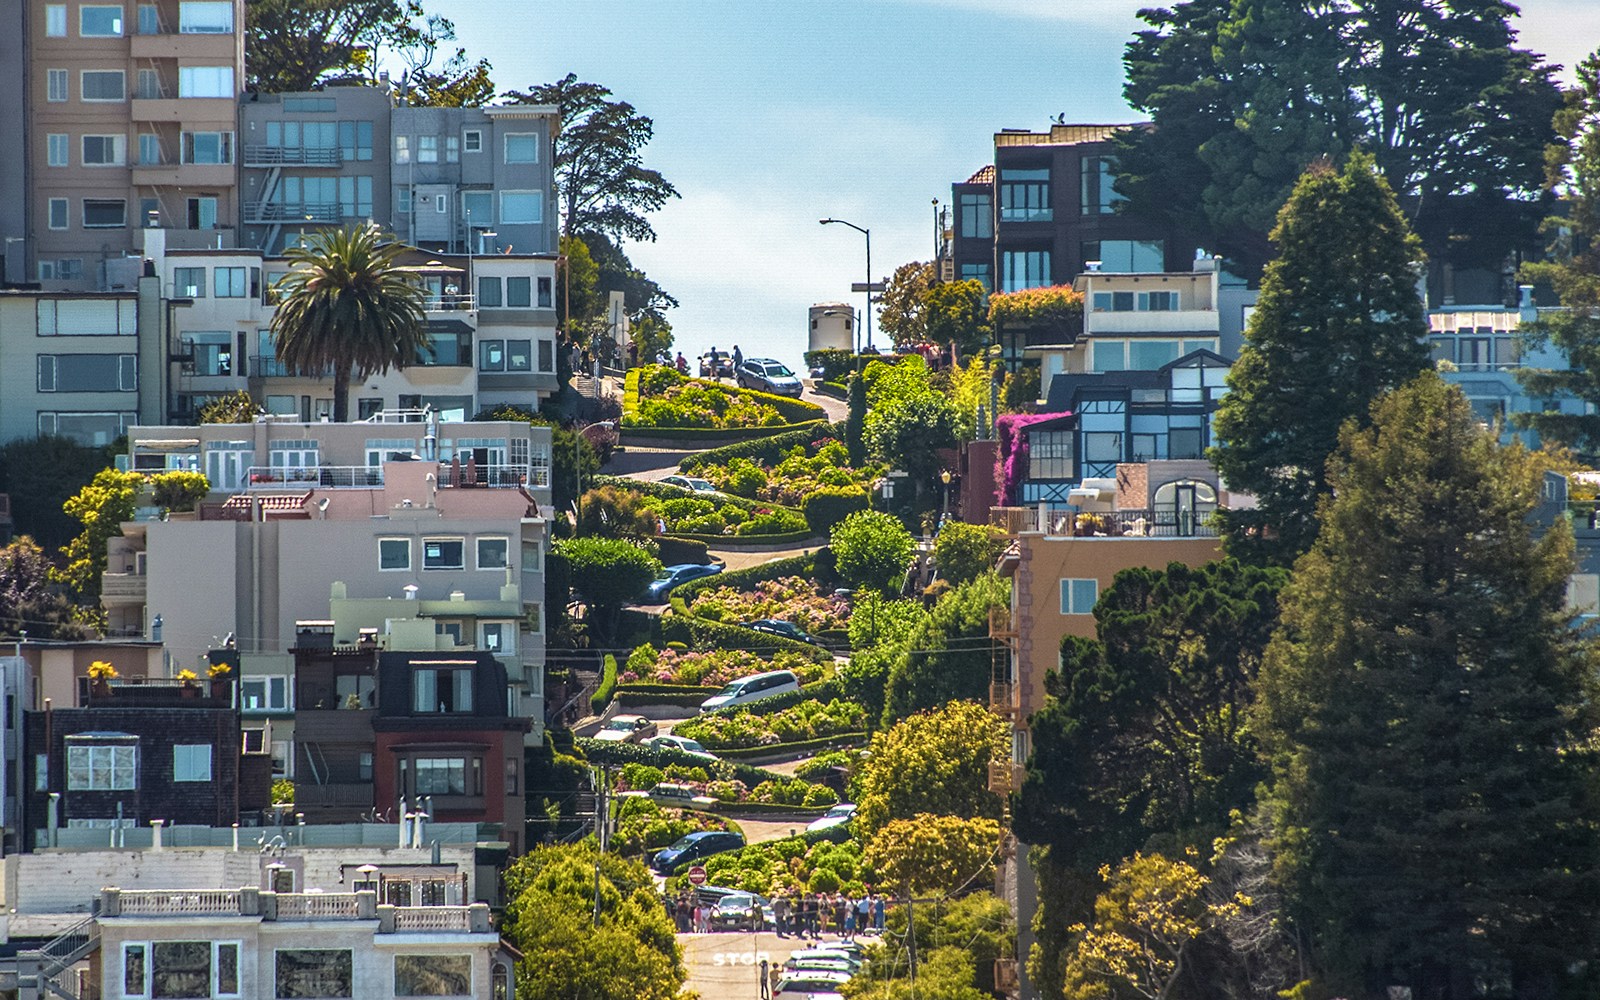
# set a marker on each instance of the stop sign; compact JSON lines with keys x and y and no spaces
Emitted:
{"x":697,"y":875}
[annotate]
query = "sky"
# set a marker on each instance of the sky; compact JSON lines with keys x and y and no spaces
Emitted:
{"x":772,"y":114}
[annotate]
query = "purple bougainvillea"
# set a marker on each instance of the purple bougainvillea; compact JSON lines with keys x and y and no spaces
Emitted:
{"x":1012,"y":456}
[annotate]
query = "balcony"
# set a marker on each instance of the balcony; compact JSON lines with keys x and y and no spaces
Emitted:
{"x":449,"y":303}
{"x":335,"y":795}
{"x":325,"y":477}
{"x":263,"y":213}
{"x":1206,"y":322}
{"x":193,"y":47}
{"x":1001,"y":625}
{"x":193,"y":111}
{"x":203,"y":175}
{"x":176,"y":903}
{"x":268,"y":366}
{"x":123,"y":589}
{"x":1005,"y":777}
{"x":1000,"y":700}
{"x":1162,"y":523}
{"x":292,"y":156}
{"x":471,"y":475}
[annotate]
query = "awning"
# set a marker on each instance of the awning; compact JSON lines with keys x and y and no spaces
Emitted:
{"x":167,"y":444}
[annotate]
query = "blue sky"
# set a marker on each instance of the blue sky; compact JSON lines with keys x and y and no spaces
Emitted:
{"x":771,"y":115}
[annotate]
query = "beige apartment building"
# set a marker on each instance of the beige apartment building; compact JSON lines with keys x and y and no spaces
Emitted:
{"x":131,"y":123}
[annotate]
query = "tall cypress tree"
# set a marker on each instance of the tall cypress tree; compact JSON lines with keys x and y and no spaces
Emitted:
{"x":1338,"y":321}
{"x":1428,"y":713}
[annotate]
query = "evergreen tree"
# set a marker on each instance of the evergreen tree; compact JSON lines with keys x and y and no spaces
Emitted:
{"x":1428,"y":712}
{"x":1573,"y":271}
{"x":1337,"y":322}
{"x":855,"y":422}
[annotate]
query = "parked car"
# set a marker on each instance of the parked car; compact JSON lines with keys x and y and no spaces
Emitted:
{"x":716,"y":365}
{"x":838,"y":815}
{"x":691,"y":483}
{"x":801,"y":965}
{"x":848,"y":952}
{"x":695,"y":848}
{"x":672,"y":576}
{"x":682,"y":744}
{"x":747,"y":689}
{"x":679,"y":796}
{"x":627,"y":729}
{"x":817,"y":985}
{"x":742,"y":911}
{"x":767,"y":375}
{"x":779,"y":627}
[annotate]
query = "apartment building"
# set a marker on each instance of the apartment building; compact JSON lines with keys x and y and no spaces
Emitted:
{"x":394,"y":510}
{"x":131,"y":110}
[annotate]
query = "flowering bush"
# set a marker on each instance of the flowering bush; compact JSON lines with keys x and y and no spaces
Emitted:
{"x":1012,"y":455}
{"x":1054,"y":305}
{"x":714,"y":668}
{"x":808,"y":720}
{"x":791,"y":598}
{"x":791,"y":863}
{"x":667,"y":399}
{"x":642,"y":826}
{"x":802,"y":471}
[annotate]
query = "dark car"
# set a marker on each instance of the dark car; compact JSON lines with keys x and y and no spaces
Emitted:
{"x":788,"y":630}
{"x":716,"y":365}
{"x":695,"y":848}
{"x":741,"y":911}
{"x":672,"y":576}
{"x":767,"y":375}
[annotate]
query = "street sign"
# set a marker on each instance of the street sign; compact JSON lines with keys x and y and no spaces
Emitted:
{"x":866,"y":286}
{"x":697,"y":875}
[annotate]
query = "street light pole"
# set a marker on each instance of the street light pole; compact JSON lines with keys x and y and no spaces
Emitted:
{"x":868,"y":286}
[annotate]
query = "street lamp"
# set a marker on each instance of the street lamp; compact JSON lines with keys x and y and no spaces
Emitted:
{"x":867,"y":286}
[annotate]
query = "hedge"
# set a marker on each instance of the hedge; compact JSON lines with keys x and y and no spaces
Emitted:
{"x":796,"y":748}
{"x":698,"y":435}
{"x":601,"y":752}
{"x":765,"y":451}
{"x":747,"y":578}
{"x":630,"y":393}
{"x":835,"y":364}
{"x":827,"y":507}
{"x":608,"y":685}
{"x":769,"y":809}
{"x":824,"y":691}
{"x":837,"y":390}
{"x":703,"y":633}
{"x":786,"y":538}
{"x":667,"y":491}
{"x":631,"y":699}
{"x":642,"y":687}
{"x":675,"y":549}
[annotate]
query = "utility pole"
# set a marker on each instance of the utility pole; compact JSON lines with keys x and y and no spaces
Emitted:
{"x":911,"y":940}
{"x":601,"y":815}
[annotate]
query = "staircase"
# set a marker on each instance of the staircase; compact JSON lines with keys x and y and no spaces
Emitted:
{"x":586,"y":386}
{"x":49,"y":971}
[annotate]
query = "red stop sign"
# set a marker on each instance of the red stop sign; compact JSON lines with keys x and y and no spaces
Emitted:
{"x":697,"y":875}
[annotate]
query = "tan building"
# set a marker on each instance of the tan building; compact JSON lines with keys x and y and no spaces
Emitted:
{"x":132,"y":112}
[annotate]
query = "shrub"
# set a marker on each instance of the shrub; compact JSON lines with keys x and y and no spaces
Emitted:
{"x":703,"y":634}
{"x":836,"y":364}
{"x":715,"y":667}
{"x":764,"y":451}
{"x":639,"y":777}
{"x":793,"y":598}
{"x":964,"y":552}
{"x":608,"y":685}
{"x":808,"y":720}
{"x":872,"y":550}
{"x":821,"y":795}
{"x":825,"y":508}
{"x":179,"y":490}
{"x":673,"y":551}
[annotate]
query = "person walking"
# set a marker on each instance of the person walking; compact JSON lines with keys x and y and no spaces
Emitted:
{"x":738,"y":357}
{"x":780,"y":913}
{"x":864,"y":912}
{"x":849,"y":918}
{"x":879,"y":906}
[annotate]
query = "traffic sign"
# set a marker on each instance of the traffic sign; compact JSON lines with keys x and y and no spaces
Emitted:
{"x":867,"y":286}
{"x":697,"y":875}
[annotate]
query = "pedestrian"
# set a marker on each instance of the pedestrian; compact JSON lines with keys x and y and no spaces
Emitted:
{"x":840,"y":905}
{"x":864,"y":912}
{"x":849,"y":918}
{"x":780,"y":913}
{"x":682,"y":364}
{"x":738,"y":357}
{"x":811,"y":915}
{"x":878,"y":908}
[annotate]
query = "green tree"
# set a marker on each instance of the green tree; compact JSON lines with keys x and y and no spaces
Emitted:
{"x":628,"y":953}
{"x":1245,"y":94}
{"x":653,"y":335}
{"x":100,"y":507}
{"x":855,"y":422}
{"x":872,"y":550}
{"x":605,"y":187}
{"x":608,"y":572}
{"x":957,"y":312}
{"x":934,"y":762}
{"x":1573,"y":271}
{"x":902,"y":305}
{"x":950,"y":656}
{"x":235,"y":407}
{"x":26,"y":601}
{"x":934,"y":854}
{"x":908,"y":434}
{"x":40,"y":474}
{"x":967,"y":551}
{"x":180,"y":489}
{"x":1337,"y":322}
{"x":944,"y":973}
{"x":581,"y":282}
{"x":346,"y":306}
{"x":1429,"y":715}
{"x":1142,"y":740}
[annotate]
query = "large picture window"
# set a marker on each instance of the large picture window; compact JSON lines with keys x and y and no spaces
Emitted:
{"x":432,"y":975}
{"x":313,"y":974}
{"x":441,"y":776}
{"x":100,"y":767}
{"x":444,"y":553}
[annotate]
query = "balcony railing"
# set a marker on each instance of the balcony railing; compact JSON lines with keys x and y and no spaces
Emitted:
{"x":125,"y":586}
{"x":299,"y":156}
{"x":449,"y":303}
{"x":264,"y":212}
{"x":170,"y":903}
{"x":432,"y":918}
{"x":1143,"y":524}
{"x":262,"y":477}
{"x":468,"y":475}
{"x":319,"y":906}
{"x":1001,"y":625}
{"x":268,"y":366}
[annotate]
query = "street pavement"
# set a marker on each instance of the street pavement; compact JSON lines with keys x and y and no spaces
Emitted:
{"x":727,"y":966}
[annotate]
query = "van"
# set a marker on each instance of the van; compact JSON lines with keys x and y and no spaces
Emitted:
{"x":748,"y":689}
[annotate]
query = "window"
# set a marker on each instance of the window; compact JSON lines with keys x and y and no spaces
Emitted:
{"x":1050,"y":455}
{"x":58,"y":213}
{"x":105,"y":85}
{"x":1024,"y":269}
{"x":519,"y":293}
{"x":364,"y":769}
{"x":150,"y":152}
{"x":1099,"y":195}
{"x":56,"y":85}
{"x":547,"y":356}
{"x":444,"y":553}
{"x":104,"y":150}
{"x":205,"y":17}
{"x":521,"y":208}
{"x":452,"y":149}
{"x":95,"y":766}
{"x":394,"y":553}
{"x":1102,"y":446}
{"x":427,"y":149}
{"x":477,"y":207}
{"x":433,"y":975}
{"x":55,"y":20}
{"x":264,"y":694}
{"x":1113,"y":302}
{"x":440,"y":776}
{"x":1127,"y":256}
{"x":1583,"y":593}
{"x":105,"y":213}
{"x":1158,"y":302}
{"x":517,"y":355}
{"x":149,"y":19}
{"x":1025,"y":195}
{"x":495,"y":637}
{"x":522,"y":147}
{"x":59,"y":149}
{"x":492,"y":553}
{"x":442,"y":691}
{"x":1148,"y":355}
{"x":229,"y":282}
{"x":86,"y":318}
{"x":546,"y":299}
{"x":134,"y":970}
{"x":492,"y":355}
{"x":147,"y":85}
{"x":208,"y":147}
{"x":189,"y":282}
{"x":355,"y":140}
{"x":355,"y":197}
{"x":402,"y":149}
{"x":88,"y":373}
{"x":205,"y":81}
{"x":472,"y":140}
{"x":99,"y":22}
{"x":191,"y":762}
{"x":977,"y":216}
{"x":310,"y":105}
{"x":489,"y":293}
{"x":1079,"y":595}
{"x":303,"y":973}
{"x":981,"y":273}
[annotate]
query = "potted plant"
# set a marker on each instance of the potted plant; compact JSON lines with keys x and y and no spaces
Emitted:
{"x":219,"y":673}
{"x":191,"y":689}
{"x":100,"y":675}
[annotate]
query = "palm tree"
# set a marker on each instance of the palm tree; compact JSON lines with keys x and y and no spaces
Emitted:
{"x":345,"y":306}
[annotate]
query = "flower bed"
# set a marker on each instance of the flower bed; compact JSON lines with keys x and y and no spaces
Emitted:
{"x":790,"y":863}
{"x":713,"y":668}
{"x":643,"y":826}
{"x":660,"y":397}
{"x":801,"y":471}
{"x":808,"y":720}
{"x":791,"y":598}
{"x":693,"y":516}
{"x":774,"y":791}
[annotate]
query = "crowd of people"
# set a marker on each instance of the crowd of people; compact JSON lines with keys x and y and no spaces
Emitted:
{"x":797,"y":914}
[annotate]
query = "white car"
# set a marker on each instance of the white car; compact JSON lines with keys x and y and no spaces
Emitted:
{"x":682,"y":744}
{"x":694,"y":483}
{"x":839,"y":815}
{"x":818,"y":985}
{"x":627,"y":729}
